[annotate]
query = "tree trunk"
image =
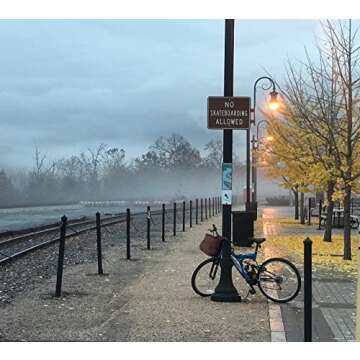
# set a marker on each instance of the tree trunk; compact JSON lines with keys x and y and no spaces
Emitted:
{"x":296,"y":203}
{"x":330,"y":211}
{"x":347,"y":223}
{"x":358,"y":300}
{"x":302,"y":209}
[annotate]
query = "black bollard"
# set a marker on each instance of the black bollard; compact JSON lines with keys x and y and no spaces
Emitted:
{"x":98,"y":244}
{"x":309,"y":211}
{"x":190,"y":214}
{"x":183,"y":215}
{"x":128,"y":255}
{"x":201,"y":210}
{"x":320,"y":213}
{"x":307,"y":290}
{"x":197,"y":211}
{"x":163,"y":223}
{"x":174,"y":220}
{"x":60,"y":267}
{"x":148,"y":219}
{"x":206,"y":215}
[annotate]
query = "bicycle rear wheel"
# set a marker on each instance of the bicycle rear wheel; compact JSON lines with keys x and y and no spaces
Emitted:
{"x":279,"y":280}
{"x":206,"y":277}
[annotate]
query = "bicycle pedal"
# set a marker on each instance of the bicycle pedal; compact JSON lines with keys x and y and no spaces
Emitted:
{"x":252,"y":291}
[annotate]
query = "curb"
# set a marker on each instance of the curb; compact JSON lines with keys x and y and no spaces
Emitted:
{"x":277,"y":330}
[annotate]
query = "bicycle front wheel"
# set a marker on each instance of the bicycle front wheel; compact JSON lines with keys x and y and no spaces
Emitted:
{"x":279,"y":280}
{"x":206,"y":277}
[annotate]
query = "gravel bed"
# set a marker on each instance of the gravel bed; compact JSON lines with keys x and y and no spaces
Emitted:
{"x":12,"y":248}
{"x":24,"y":273}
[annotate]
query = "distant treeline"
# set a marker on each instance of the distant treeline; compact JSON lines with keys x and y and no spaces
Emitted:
{"x":171,"y":168}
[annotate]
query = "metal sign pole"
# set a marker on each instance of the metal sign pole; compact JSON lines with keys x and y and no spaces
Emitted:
{"x":225,"y":290}
{"x":247,"y":205}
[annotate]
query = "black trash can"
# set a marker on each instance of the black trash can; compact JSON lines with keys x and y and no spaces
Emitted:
{"x":243,"y":227}
{"x":254,"y":209}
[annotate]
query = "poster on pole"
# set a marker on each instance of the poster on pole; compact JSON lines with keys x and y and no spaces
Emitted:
{"x":226,"y":176}
{"x":226,"y":197}
{"x":227,"y":183}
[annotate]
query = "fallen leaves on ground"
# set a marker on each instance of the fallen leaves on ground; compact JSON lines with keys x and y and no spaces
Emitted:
{"x":288,"y":222}
{"x":326,"y":255}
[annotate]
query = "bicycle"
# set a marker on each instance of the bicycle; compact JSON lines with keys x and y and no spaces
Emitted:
{"x":277,"y":278}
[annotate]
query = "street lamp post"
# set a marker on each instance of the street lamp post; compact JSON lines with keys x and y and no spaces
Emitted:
{"x":273,"y":104}
{"x":255,"y":146}
{"x":253,"y":170}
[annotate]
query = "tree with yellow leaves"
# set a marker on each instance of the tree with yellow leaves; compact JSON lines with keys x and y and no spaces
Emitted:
{"x":299,"y":158}
{"x":317,"y":134}
{"x":321,"y":112}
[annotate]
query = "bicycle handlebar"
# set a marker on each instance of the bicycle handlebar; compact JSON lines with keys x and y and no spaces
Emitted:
{"x":214,"y":230}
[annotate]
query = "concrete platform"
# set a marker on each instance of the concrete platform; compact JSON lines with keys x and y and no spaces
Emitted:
{"x":146,"y":299}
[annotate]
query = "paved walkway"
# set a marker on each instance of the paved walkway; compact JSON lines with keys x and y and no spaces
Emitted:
{"x":147,"y":299}
{"x":334,"y":297}
{"x":334,"y":310}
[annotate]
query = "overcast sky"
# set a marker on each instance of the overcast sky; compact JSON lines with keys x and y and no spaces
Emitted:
{"x":70,"y":85}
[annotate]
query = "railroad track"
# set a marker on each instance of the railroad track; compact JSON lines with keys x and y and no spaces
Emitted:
{"x":17,"y":246}
{"x":13,"y":247}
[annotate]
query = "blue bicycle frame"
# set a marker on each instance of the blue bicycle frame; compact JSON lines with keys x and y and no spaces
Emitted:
{"x":238,"y":261}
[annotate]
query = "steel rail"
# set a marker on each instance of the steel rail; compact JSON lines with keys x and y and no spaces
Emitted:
{"x":104,"y":223}
{"x":50,"y":230}
{"x":52,"y":241}
{"x":24,"y":231}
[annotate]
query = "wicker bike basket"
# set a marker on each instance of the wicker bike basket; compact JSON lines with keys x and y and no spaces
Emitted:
{"x":211,"y":245}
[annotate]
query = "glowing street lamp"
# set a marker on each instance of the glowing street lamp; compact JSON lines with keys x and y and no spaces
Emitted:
{"x":274,"y":103}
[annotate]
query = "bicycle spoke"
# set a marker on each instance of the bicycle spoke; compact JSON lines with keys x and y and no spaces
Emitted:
{"x":279,"y":280}
{"x":206,"y":278}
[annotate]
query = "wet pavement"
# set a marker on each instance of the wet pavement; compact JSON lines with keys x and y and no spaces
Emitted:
{"x":334,"y":293}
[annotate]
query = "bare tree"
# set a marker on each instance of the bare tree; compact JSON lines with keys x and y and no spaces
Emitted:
{"x":176,"y":152}
{"x":214,"y":153}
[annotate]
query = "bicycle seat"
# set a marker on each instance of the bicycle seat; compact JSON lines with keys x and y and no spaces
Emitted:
{"x":257,"y":240}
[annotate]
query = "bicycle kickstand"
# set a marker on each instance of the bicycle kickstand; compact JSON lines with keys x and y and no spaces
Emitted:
{"x":252,"y":291}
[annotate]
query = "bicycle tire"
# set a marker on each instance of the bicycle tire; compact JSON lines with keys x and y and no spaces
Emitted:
{"x":197,"y":271}
{"x":262,"y":269}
